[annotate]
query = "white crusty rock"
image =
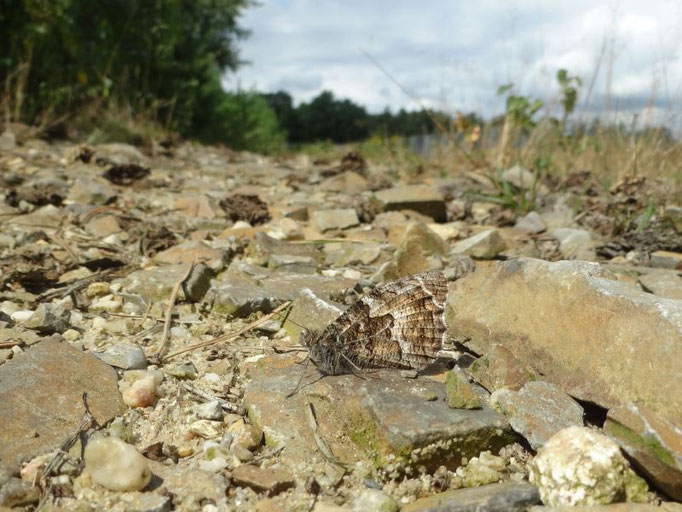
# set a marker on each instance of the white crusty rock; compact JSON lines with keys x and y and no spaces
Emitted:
{"x":579,"y":466}
{"x":116,"y":465}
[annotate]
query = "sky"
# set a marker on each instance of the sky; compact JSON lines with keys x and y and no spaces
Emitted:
{"x":453,"y":55}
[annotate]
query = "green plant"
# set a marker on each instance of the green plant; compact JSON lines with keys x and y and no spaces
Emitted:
{"x":520,"y":109}
{"x":569,"y":93}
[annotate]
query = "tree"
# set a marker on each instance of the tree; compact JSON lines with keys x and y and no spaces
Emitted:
{"x":160,"y":57}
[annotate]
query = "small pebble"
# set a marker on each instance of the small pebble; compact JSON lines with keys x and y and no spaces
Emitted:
{"x":206,"y":428}
{"x":184,"y":371}
{"x":247,"y":435}
{"x":185,"y":451}
{"x":124,"y":356}
{"x":373,"y":500}
{"x":214,"y":465}
{"x":98,"y":289}
{"x":116,"y":465}
{"x":209,"y":411}
{"x":242,"y":452}
{"x":142,"y":393}
{"x":21,"y":315}
{"x":71,"y":335}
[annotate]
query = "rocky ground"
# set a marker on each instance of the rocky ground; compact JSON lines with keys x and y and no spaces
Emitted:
{"x":151,"y":306}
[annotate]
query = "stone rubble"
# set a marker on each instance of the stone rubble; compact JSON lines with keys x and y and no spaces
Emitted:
{"x":94,"y":317}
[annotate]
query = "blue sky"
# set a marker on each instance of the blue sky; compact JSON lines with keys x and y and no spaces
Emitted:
{"x":452,"y":55}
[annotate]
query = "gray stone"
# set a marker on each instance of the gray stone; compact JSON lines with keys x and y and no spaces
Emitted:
{"x":240,"y":299}
{"x":538,"y":410}
{"x":198,"y":282}
{"x":485,"y":245}
{"x":289,"y":261}
{"x":502,"y":497}
{"x":594,"y":335}
{"x":263,"y":246}
{"x":420,"y":250}
{"x":184,"y":371}
{"x":49,"y":319}
{"x":124,"y":356}
{"x":91,"y":191}
{"x":459,"y":266}
{"x":664,"y":283}
{"x":270,"y":480}
{"x":387,"y":416}
{"x":147,"y":502}
{"x":374,"y":500}
{"x":575,"y":244}
{"x":420,"y":198}
{"x":459,"y":391}
{"x":189,"y":252}
{"x":666,"y":259}
{"x":614,"y":507}
{"x":192,"y":488}
{"x":119,"y":153}
{"x":343,"y":218}
{"x":288,"y":286}
{"x":209,"y":410}
{"x":345,"y":254}
{"x":500,"y":368}
{"x":308,"y":311}
{"x":531,"y":223}
{"x":14,"y":492}
{"x":156,"y":284}
{"x":40,"y":391}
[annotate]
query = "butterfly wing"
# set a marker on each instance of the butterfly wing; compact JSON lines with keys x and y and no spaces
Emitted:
{"x":399,"y":324}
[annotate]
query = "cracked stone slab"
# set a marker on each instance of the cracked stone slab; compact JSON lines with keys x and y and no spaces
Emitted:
{"x":579,"y":327}
{"x":40,"y":393}
{"x":383,"y":415}
{"x":502,"y":497}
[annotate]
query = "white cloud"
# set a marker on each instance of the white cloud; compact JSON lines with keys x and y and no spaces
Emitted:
{"x":454,"y":55}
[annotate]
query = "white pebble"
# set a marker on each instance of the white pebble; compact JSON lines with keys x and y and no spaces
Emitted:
{"x":206,"y":428}
{"x":209,"y":411}
{"x":71,"y":335}
{"x":116,"y":465}
{"x":22,"y":315}
{"x":142,"y":393}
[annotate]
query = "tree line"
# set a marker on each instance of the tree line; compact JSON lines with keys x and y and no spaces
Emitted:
{"x":340,"y":120}
{"x":163,"y":60}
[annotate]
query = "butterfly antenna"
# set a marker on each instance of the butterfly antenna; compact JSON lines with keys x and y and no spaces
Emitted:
{"x":354,"y":366}
{"x":298,"y":385}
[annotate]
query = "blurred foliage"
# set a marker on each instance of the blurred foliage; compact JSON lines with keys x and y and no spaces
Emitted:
{"x":163,"y":58}
{"x":341,"y":120}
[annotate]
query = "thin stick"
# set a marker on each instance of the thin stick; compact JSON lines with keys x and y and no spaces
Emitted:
{"x":169,"y":311}
{"x":208,"y":397}
{"x":232,"y":336}
{"x":10,"y":344}
{"x":87,"y":422}
{"x":312,"y":423}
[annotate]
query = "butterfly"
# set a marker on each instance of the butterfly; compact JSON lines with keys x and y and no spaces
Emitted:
{"x":400,"y":324}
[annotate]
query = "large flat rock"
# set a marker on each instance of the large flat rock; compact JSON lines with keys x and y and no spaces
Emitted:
{"x":599,"y":339}
{"x":502,"y":497}
{"x":40,"y":399}
{"x":381,"y":415}
{"x":420,"y":198}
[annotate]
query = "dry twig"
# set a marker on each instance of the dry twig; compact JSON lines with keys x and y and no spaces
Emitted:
{"x":87,"y":422}
{"x":169,"y":312}
{"x":234,"y":335}
{"x":205,"y":396}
